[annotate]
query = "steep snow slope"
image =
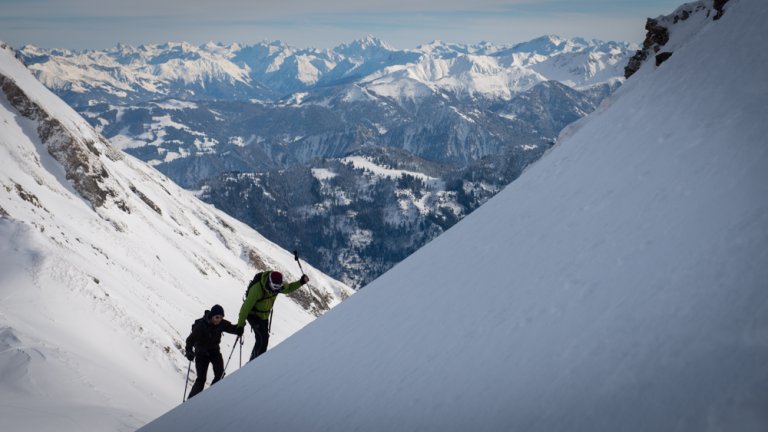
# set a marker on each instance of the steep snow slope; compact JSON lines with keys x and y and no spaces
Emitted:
{"x":619,"y":284}
{"x":104,"y":265}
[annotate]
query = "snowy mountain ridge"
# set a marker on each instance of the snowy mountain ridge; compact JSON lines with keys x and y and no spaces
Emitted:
{"x":273,"y":70}
{"x":462,"y":106}
{"x":468,"y":106}
{"x":618,"y":284}
{"x":104,"y":265}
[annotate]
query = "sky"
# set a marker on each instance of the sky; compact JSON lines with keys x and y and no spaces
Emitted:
{"x":96,"y":24}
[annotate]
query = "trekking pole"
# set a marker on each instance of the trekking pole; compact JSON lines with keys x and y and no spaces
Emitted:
{"x":186,"y":382}
{"x":241,"y":351}
{"x":296,"y":257}
{"x":230,"y":357}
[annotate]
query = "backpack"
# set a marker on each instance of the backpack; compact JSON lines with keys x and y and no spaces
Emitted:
{"x":265,"y":293}
{"x":199,"y":321}
{"x":255,"y":279}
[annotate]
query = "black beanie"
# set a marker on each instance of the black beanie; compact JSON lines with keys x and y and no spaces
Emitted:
{"x":217,"y":310}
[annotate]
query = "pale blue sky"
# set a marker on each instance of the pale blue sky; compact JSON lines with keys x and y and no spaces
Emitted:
{"x":320,"y":24}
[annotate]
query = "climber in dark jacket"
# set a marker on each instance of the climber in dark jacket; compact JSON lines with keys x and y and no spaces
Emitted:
{"x":205,"y":339}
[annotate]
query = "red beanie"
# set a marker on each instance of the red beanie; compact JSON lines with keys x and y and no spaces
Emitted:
{"x":276,"y":278}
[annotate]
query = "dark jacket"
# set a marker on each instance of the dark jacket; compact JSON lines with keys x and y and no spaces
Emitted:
{"x":205,"y":336}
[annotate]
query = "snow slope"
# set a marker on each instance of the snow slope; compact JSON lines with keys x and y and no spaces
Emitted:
{"x":104,"y":265}
{"x":619,"y":284}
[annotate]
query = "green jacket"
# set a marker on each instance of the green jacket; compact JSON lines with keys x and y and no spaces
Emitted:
{"x":260,"y":300}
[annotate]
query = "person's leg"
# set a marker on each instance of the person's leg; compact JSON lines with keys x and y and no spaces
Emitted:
{"x":261,"y":330}
{"x":201,"y":366}
{"x":217,"y":361}
{"x":265,"y":336}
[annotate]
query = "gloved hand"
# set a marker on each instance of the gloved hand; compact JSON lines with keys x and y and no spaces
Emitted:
{"x":190,"y":355}
{"x":240,"y":331}
{"x":304,"y":279}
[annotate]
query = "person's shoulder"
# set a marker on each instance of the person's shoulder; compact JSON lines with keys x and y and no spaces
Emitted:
{"x":198,"y":323}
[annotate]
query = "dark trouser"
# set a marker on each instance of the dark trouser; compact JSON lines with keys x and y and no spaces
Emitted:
{"x":261,"y":329}
{"x":202,"y":360}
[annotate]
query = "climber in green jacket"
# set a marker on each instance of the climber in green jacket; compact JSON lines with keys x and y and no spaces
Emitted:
{"x":257,"y":307}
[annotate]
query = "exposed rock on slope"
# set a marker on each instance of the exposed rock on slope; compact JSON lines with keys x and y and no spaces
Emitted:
{"x":657,"y":29}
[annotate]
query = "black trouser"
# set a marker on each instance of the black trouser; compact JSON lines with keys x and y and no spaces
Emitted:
{"x":202,"y":359}
{"x":261,"y":329}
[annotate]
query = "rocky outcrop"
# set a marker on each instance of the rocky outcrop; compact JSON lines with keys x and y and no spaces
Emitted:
{"x":655,"y":37}
{"x":146,"y":200}
{"x":312,"y":300}
{"x":657,"y":32}
{"x":79,"y":156}
{"x":662,"y":57}
{"x":719,"y":5}
{"x":28,"y":196}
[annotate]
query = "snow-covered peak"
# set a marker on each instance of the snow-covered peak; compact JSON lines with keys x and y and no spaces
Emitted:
{"x":438,"y":48}
{"x":547,"y":45}
{"x":178,"y":46}
{"x":162,"y":70}
{"x":488,"y":71}
{"x":618,"y":284}
{"x":368,"y":46}
{"x":273,"y":69}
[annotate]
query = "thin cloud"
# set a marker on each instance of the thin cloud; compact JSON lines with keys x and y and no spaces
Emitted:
{"x":403,"y":23}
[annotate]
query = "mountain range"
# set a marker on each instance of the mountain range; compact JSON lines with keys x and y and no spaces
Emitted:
{"x":270,"y":71}
{"x":247,"y":126}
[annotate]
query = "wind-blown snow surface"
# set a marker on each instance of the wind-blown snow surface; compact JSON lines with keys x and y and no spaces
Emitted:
{"x":97,"y":299}
{"x":620,"y":284}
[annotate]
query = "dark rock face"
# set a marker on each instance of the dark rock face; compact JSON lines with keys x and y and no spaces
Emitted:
{"x":657,"y":33}
{"x":146,"y":200}
{"x":719,"y":5}
{"x":662,"y":57}
{"x":656,"y":36}
{"x":682,"y":16}
{"x":635,"y":62}
{"x":79,"y":158}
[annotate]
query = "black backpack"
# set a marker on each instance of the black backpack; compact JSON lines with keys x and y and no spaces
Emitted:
{"x":255,"y":279}
{"x":200,"y":321}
